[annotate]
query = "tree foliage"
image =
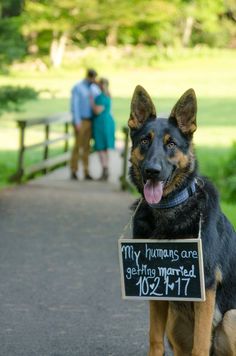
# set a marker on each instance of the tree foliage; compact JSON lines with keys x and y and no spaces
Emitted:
{"x":12,"y":43}
{"x":48,"y":26}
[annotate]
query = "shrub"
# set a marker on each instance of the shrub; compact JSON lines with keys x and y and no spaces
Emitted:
{"x":228,"y":181}
{"x":12,"y":97}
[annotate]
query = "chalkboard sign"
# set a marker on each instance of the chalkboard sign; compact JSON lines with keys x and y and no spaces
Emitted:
{"x":162,"y":269}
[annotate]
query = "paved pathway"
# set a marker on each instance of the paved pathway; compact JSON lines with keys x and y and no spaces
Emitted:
{"x":60,"y":284}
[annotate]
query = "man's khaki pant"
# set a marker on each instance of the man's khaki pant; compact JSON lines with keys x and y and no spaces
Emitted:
{"x":81,"y":147}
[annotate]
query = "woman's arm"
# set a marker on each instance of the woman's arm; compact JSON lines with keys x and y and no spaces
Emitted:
{"x":97,"y":109}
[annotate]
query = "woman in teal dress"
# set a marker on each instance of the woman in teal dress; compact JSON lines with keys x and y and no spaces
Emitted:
{"x":103,"y":126}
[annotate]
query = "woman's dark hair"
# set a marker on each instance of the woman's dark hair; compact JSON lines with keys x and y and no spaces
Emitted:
{"x":104,"y":84}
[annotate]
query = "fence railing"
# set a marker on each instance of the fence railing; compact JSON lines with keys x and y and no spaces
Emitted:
{"x":124,"y":180}
{"x":46,"y":163}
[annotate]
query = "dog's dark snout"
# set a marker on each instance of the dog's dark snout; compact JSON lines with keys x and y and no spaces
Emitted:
{"x":152,"y":171}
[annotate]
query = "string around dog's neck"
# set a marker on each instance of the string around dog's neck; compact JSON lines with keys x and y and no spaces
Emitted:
{"x":130,"y":223}
{"x":177,"y":199}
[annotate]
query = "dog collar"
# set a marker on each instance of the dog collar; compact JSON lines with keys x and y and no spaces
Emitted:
{"x":177,"y":199}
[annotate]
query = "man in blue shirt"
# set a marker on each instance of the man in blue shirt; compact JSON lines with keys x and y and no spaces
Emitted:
{"x":81,"y":110}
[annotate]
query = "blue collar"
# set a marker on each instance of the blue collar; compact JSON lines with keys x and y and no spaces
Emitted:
{"x":177,"y":199}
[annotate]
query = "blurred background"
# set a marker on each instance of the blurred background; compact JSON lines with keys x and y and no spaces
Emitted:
{"x":167,"y":46}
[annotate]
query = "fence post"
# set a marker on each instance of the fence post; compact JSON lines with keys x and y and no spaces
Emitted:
{"x":46,"y":151}
{"x":123,"y":180}
{"x":20,"y":170}
{"x":66,"y":146}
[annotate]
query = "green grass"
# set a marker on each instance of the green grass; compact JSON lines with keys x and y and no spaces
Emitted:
{"x":211,"y":73}
{"x":9,"y":159}
{"x":212,"y":112}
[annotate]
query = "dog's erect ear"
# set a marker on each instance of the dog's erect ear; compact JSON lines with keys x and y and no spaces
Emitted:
{"x":142,"y":108}
{"x":184,"y":113}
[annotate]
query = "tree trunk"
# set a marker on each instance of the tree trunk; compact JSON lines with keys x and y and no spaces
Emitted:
{"x":187,"y":31}
{"x":111,"y":39}
{"x":57,"y":49}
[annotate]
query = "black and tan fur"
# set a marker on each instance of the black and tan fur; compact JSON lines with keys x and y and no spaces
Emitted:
{"x":162,"y":150}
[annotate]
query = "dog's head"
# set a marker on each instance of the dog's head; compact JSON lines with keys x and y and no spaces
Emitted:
{"x":162,"y":156}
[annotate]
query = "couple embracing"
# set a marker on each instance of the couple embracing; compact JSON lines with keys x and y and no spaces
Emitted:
{"x":91,"y":117}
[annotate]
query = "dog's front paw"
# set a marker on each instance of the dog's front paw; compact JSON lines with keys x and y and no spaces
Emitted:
{"x":156,"y":350}
{"x":155,"y":353}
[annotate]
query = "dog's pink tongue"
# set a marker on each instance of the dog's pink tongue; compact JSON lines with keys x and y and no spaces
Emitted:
{"x":153,"y":191}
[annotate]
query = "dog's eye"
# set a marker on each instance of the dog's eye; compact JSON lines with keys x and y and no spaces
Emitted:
{"x":171,"y":144}
{"x":144,"y":141}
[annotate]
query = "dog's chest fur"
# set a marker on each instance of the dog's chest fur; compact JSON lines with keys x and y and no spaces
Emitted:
{"x":178,"y":222}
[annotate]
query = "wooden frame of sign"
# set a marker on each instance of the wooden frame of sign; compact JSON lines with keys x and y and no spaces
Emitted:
{"x":162,"y":269}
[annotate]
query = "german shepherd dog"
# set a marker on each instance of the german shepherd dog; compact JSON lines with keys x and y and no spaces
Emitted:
{"x":164,"y":170}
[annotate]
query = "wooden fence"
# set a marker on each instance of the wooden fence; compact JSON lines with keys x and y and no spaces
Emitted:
{"x":46,"y":163}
